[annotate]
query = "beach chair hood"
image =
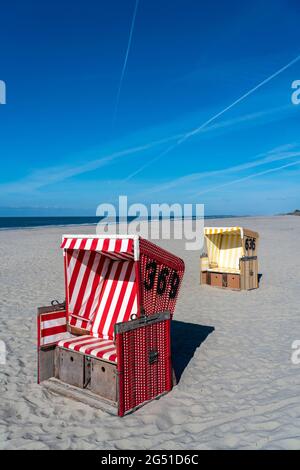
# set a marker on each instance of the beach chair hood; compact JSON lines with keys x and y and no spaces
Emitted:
{"x":112,"y":279}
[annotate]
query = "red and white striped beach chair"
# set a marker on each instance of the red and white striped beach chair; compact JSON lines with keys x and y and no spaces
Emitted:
{"x":109,"y":344}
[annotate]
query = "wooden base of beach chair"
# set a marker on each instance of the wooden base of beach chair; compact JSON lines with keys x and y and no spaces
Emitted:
{"x":126,"y":373}
{"x":46,"y":361}
{"x":247,"y":280}
{"x":84,"y":396}
{"x":86,"y":373}
{"x":221,"y":280}
{"x":70,"y":367}
{"x":102,"y":386}
{"x":233,"y":281}
{"x":88,"y":397}
{"x":104,"y":379}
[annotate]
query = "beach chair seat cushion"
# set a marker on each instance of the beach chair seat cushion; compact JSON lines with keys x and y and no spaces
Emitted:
{"x":229,"y":270}
{"x":90,"y":346}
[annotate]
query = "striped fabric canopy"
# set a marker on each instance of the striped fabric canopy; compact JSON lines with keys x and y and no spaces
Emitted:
{"x":115,"y":248}
{"x":226,"y":230}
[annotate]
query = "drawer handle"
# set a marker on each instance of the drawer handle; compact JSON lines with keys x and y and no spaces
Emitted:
{"x":153,"y":356}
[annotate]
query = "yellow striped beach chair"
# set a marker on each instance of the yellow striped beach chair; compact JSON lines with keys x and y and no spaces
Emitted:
{"x":229,"y":259}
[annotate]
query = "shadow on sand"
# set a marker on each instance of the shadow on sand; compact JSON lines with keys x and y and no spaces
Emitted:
{"x":186,"y":338}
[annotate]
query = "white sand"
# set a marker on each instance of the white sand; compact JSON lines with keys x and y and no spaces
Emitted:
{"x":239,"y":390}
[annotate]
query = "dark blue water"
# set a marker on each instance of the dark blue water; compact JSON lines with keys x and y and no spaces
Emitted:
{"x":31,"y":222}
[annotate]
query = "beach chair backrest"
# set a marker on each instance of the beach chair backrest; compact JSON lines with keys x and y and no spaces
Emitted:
{"x":117,"y":300}
{"x":231,"y":250}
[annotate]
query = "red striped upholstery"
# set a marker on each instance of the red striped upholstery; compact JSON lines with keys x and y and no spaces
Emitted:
{"x":52,"y":327}
{"x":118,"y":299}
{"x":95,"y":347}
{"x":115,"y":248}
{"x":85,"y":274}
{"x":100,"y":291}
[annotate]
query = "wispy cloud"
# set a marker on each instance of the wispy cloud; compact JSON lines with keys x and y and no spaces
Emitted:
{"x":198,"y":129}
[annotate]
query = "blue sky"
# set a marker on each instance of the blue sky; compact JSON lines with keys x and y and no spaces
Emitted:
{"x":66,"y":145}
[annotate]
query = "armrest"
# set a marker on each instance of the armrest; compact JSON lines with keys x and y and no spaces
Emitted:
{"x":247,"y":258}
{"x":51,"y":325}
{"x":204,"y":263}
{"x":122,"y":327}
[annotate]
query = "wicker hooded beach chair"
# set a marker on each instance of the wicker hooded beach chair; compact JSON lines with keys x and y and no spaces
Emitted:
{"x":109,"y":344}
{"x":230,"y":258}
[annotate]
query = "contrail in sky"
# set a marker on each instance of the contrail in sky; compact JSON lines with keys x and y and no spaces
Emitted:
{"x":41,"y":178}
{"x":213,"y":118}
{"x":46,"y":176}
{"x":254,"y":175}
{"x":279,"y":153}
{"x":125,"y":62}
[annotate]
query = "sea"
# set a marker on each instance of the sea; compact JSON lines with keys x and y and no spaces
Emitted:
{"x":7,"y":223}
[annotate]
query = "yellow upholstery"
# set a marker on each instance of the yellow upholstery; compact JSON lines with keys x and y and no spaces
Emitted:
{"x":224,"y":249}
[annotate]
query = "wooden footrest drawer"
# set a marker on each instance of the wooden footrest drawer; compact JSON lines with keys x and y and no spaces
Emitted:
{"x":233,"y":281}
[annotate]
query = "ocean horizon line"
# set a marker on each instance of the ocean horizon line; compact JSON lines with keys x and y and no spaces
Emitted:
{"x":28,"y":222}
